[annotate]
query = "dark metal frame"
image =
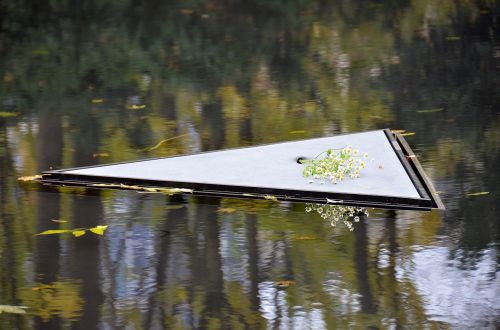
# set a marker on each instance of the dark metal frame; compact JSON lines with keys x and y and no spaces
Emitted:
{"x":428,"y":197}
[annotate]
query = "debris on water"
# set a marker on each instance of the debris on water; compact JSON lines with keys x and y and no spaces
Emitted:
{"x":408,"y":134}
{"x":100,"y":154}
{"x":13,"y":309}
{"x":430,"y":110}
{"x":271,"y":198}
{"x":97,"y":101}
{"x":8,"y":114}
{"x":30,"y":178}
{"x":481,"y":193}
{"x":167,"y":191}
{"x":156,"y":146}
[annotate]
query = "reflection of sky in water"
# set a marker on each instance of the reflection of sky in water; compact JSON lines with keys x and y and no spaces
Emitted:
{"x":469,"y":297}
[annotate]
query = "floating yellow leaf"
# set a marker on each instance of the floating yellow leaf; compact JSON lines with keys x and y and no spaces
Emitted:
{"x":13,"y":309}
{"x":271,"y":198}
{"x":226,"y":210}
{"x":78,"y":233}
{"x":304,"y":238}
{"x":100,"y":154}
{"x":7,"y":114}
{"x":297,"y":132}
{"x":398,"y":131}
{"x":408,"y":134}
{"x":430,"y":110}
{"x":29,"y":178}
{"x":136,"y":107}
{"x":54,"y":231}
{"x":57,"y":220}
{"x":99,"y":230}
{"x":481,"y":193}
{"x":97,"y":101}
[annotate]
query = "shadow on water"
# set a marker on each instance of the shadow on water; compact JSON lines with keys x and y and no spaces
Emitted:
{"x":92,"y":83}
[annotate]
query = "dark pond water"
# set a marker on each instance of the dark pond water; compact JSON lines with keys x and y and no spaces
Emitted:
{"x":103,"y":81}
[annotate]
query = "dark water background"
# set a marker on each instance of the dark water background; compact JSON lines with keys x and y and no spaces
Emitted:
{"x":101,"y":81}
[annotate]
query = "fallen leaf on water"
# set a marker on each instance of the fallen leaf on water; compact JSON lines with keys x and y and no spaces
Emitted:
{"x":100,"y":154}
{"x":453,"y":38}
{"x":78,"y":233}
{"x":334,"y":201}
{"x":56,"y":220}
{"x":297,"y":132}
{"x":173,"y":207}
{"x":13,"y":309}
{"x":97,"y":101}
{"x":136,"y":107}
{"x":398,"y":131}
{"x":285,"y":283}
{"x":271,"y":198}
{"x":99,"y":230}
{"x":430,"y":110}
{"x":408,"y":134}
{"x":54,"y":231}
{"x":304,"y":238}
{"x":30,"y":178}
{"x":481,"y":193}
{"x":226,"y":210}
{"x":7,"y":114}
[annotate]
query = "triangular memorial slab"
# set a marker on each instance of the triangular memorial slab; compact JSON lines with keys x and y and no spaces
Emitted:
{"x":394,"y":179}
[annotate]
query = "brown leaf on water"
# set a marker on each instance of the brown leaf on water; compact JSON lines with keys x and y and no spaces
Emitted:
{"x":30,"y":178}
{"x":285,"y":283}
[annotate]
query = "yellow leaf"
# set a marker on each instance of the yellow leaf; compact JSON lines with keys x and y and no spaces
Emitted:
{"x":56,"y":220}
{"x":136,"y":107}
{"x":271,"y":198}
{"x":29,"y":178}
{"x":399,"y":131}
{"x":156,"y":146}
{"x":13,"y":309}
{"x":408,"y":134}
{"x":297,"y":132}
{"x":78,"y":233}
{"x":481,"y":193}
{"x":226,"y":210}
{"x":99,"y":230}
{"x":54,"y":231}
{"x":97,"y":101}
{"x":285,"y":283}
{"x":7,"y":114}
{"x":100,"y":154}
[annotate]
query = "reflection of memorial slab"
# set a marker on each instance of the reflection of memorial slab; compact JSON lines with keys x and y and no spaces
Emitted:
{"x":394,"y":179}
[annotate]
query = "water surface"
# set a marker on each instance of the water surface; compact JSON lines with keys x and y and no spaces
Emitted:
{"x":101,"y":82}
